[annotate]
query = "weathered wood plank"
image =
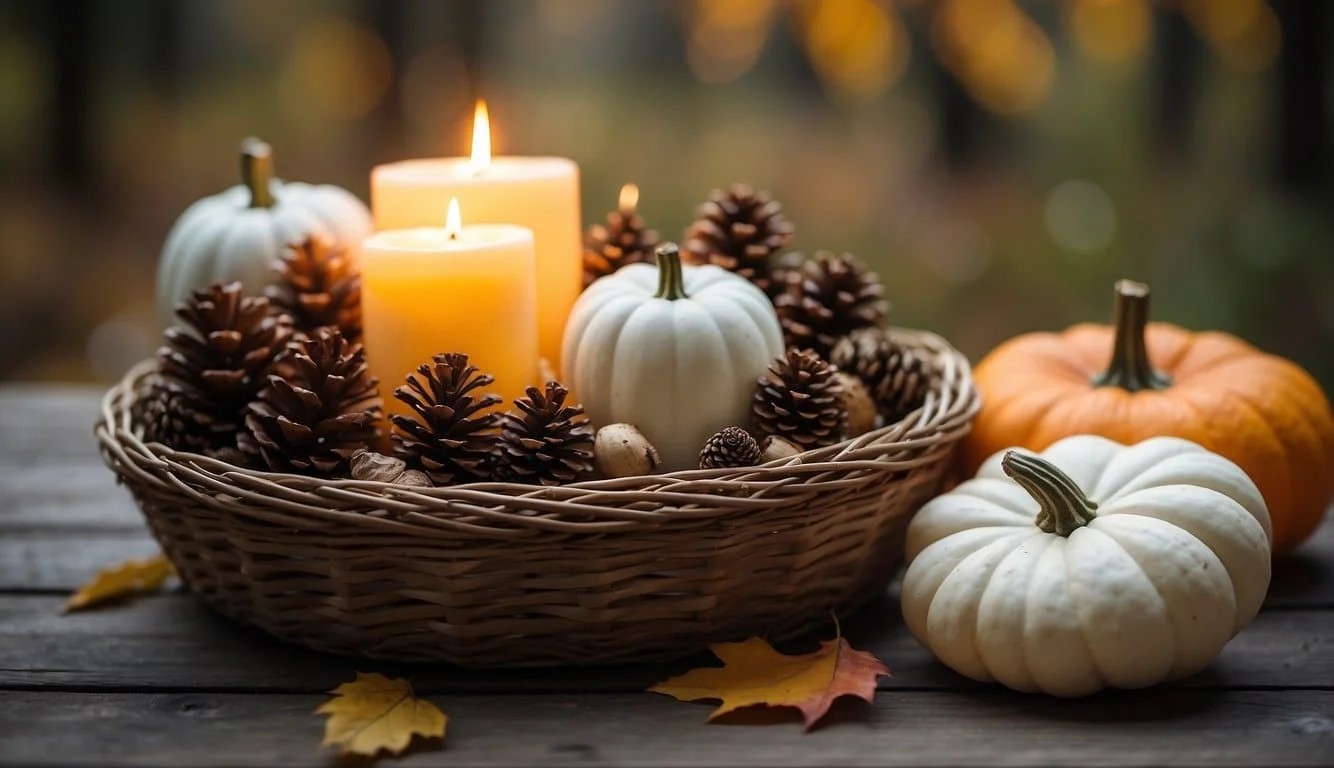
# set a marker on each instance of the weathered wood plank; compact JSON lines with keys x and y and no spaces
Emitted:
{"x":50,"y":472}
{"x":66,"y":497}
{"x":41,"y":423}
{"x":58,"y":561}
{"x":173,"y":642}
{"x":1181,"y":726}
{"x":1305,"y":578}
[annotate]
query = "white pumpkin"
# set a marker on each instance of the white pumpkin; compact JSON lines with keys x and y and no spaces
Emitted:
{"x":239,"y":233}
{"x":1090,"y":565}
{"x":673,"y":350}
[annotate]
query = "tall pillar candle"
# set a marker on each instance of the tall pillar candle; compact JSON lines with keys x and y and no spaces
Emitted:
{"x":541,"y":193}
{"x":469,"y":289}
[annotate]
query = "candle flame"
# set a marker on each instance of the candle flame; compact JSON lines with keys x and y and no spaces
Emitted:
{"x":453,"y":220}
{"x":481,"y":138}
{"x":629,"y":198}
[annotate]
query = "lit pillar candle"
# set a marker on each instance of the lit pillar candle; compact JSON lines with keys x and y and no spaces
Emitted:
{"x":468,"y":289}
{"x":541,"y":193}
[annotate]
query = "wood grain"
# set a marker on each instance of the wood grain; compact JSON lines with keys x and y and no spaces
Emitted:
{"x":173,"y":642}
{"x":51,"y":475}
{"x":58,"y":561}
{"x":945,"y":728}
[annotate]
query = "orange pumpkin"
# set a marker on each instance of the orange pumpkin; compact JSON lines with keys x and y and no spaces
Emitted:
{"x":1264,"y":413}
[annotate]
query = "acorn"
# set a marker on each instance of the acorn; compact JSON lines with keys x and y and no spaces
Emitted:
{"x":369,"y":465}
{"x":774,"y":448}
{"x":621,"y":450}
{"x":860,"y":406}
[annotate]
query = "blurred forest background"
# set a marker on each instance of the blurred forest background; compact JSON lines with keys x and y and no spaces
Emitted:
{"x":1000,"y":163}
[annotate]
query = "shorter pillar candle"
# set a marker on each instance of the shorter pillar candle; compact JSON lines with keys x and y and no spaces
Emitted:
{"x":467,"y":289}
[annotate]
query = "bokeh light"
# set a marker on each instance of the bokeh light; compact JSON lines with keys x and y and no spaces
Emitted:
{"x":1002,"y":57}
{"x":337,"y":69}
{"x":1246,"y":34}
{"x":1116,"y":32}
{"x":726,"y":37}
{"x":859,"y":48}
{"x":1080,"y":216}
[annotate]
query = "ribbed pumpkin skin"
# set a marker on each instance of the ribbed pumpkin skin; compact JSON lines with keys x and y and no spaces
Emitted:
{"x":1264,"y":413}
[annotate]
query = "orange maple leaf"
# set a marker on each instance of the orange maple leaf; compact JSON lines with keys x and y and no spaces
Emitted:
{"x":753,"y":673}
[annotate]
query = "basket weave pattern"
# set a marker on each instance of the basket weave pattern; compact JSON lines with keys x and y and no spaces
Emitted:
{"x":500,"y":574}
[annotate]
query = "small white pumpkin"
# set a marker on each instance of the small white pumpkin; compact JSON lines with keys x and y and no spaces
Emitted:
{"x":239,"y":233}
{"x":673,"y":350}
{"x":1091,"y":565}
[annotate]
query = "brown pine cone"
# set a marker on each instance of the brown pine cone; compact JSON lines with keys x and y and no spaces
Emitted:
{"x":546,"y":442}
{"x":314,"y":419}
{"x":213,"y":364}
{"x":452,"y":435}
{"x":729,"y":447}
{"x":800,"y":400}
{"x":624,"y":239}
{"x":740,"y":230}
{"x":319,"y":287}
{"x":895,"y":375}
{"x":182,"y":418}
{"x":829,"y":297}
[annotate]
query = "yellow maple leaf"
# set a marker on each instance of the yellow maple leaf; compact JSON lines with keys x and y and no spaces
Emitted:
{"x":118,"y":581}
{"x":374,"y":712}
{"x":753,"y":673}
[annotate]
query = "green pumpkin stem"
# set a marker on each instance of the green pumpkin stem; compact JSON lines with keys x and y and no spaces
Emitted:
{"x":671,"y":281}
{"x":257,"y":172}
{"x":1130,"y":368}
{"x":1063,"y":506}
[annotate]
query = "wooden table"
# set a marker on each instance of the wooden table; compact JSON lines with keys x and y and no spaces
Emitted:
{"x":163,"y":681}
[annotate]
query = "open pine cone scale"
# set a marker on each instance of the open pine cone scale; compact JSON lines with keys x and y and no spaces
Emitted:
{"x":317,"y":416}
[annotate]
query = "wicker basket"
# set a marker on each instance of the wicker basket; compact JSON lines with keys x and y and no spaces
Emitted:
{"x":499,"y":574}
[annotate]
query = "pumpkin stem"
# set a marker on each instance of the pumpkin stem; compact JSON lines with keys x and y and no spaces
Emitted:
{"x":1063,"y":506}
{"x":671,"y":281}
{"x":257,"y":171}
{"x":1130,"y":368}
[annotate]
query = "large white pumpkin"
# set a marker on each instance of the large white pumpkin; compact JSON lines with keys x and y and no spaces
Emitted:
{"x":673,"y":350}
{"x":1090,"y":565}
{"x":239,"y":233}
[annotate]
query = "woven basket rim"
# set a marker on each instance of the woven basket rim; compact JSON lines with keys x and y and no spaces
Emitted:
{"x":592,"y":506}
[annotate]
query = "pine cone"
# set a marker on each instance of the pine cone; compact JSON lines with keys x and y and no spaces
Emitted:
{"x":453,"y":435}
{"x":212,"y":366}
{"x":622,"y":240}
{"x":549,"y":443}
{"x":181,"y":417}
{"x":740,"y":230}
{"x":729,"y":447}
{"x":319,"y":287}
{"x":325,"y":410}
{"x":800,"y":400}
{"x":895,"y":375}
{"x":827,"y":298}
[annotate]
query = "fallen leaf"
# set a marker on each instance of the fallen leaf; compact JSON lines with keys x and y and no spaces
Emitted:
{"x":127,"y":578}
{"x":374,"y":712}
{"x":753,"y":673}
